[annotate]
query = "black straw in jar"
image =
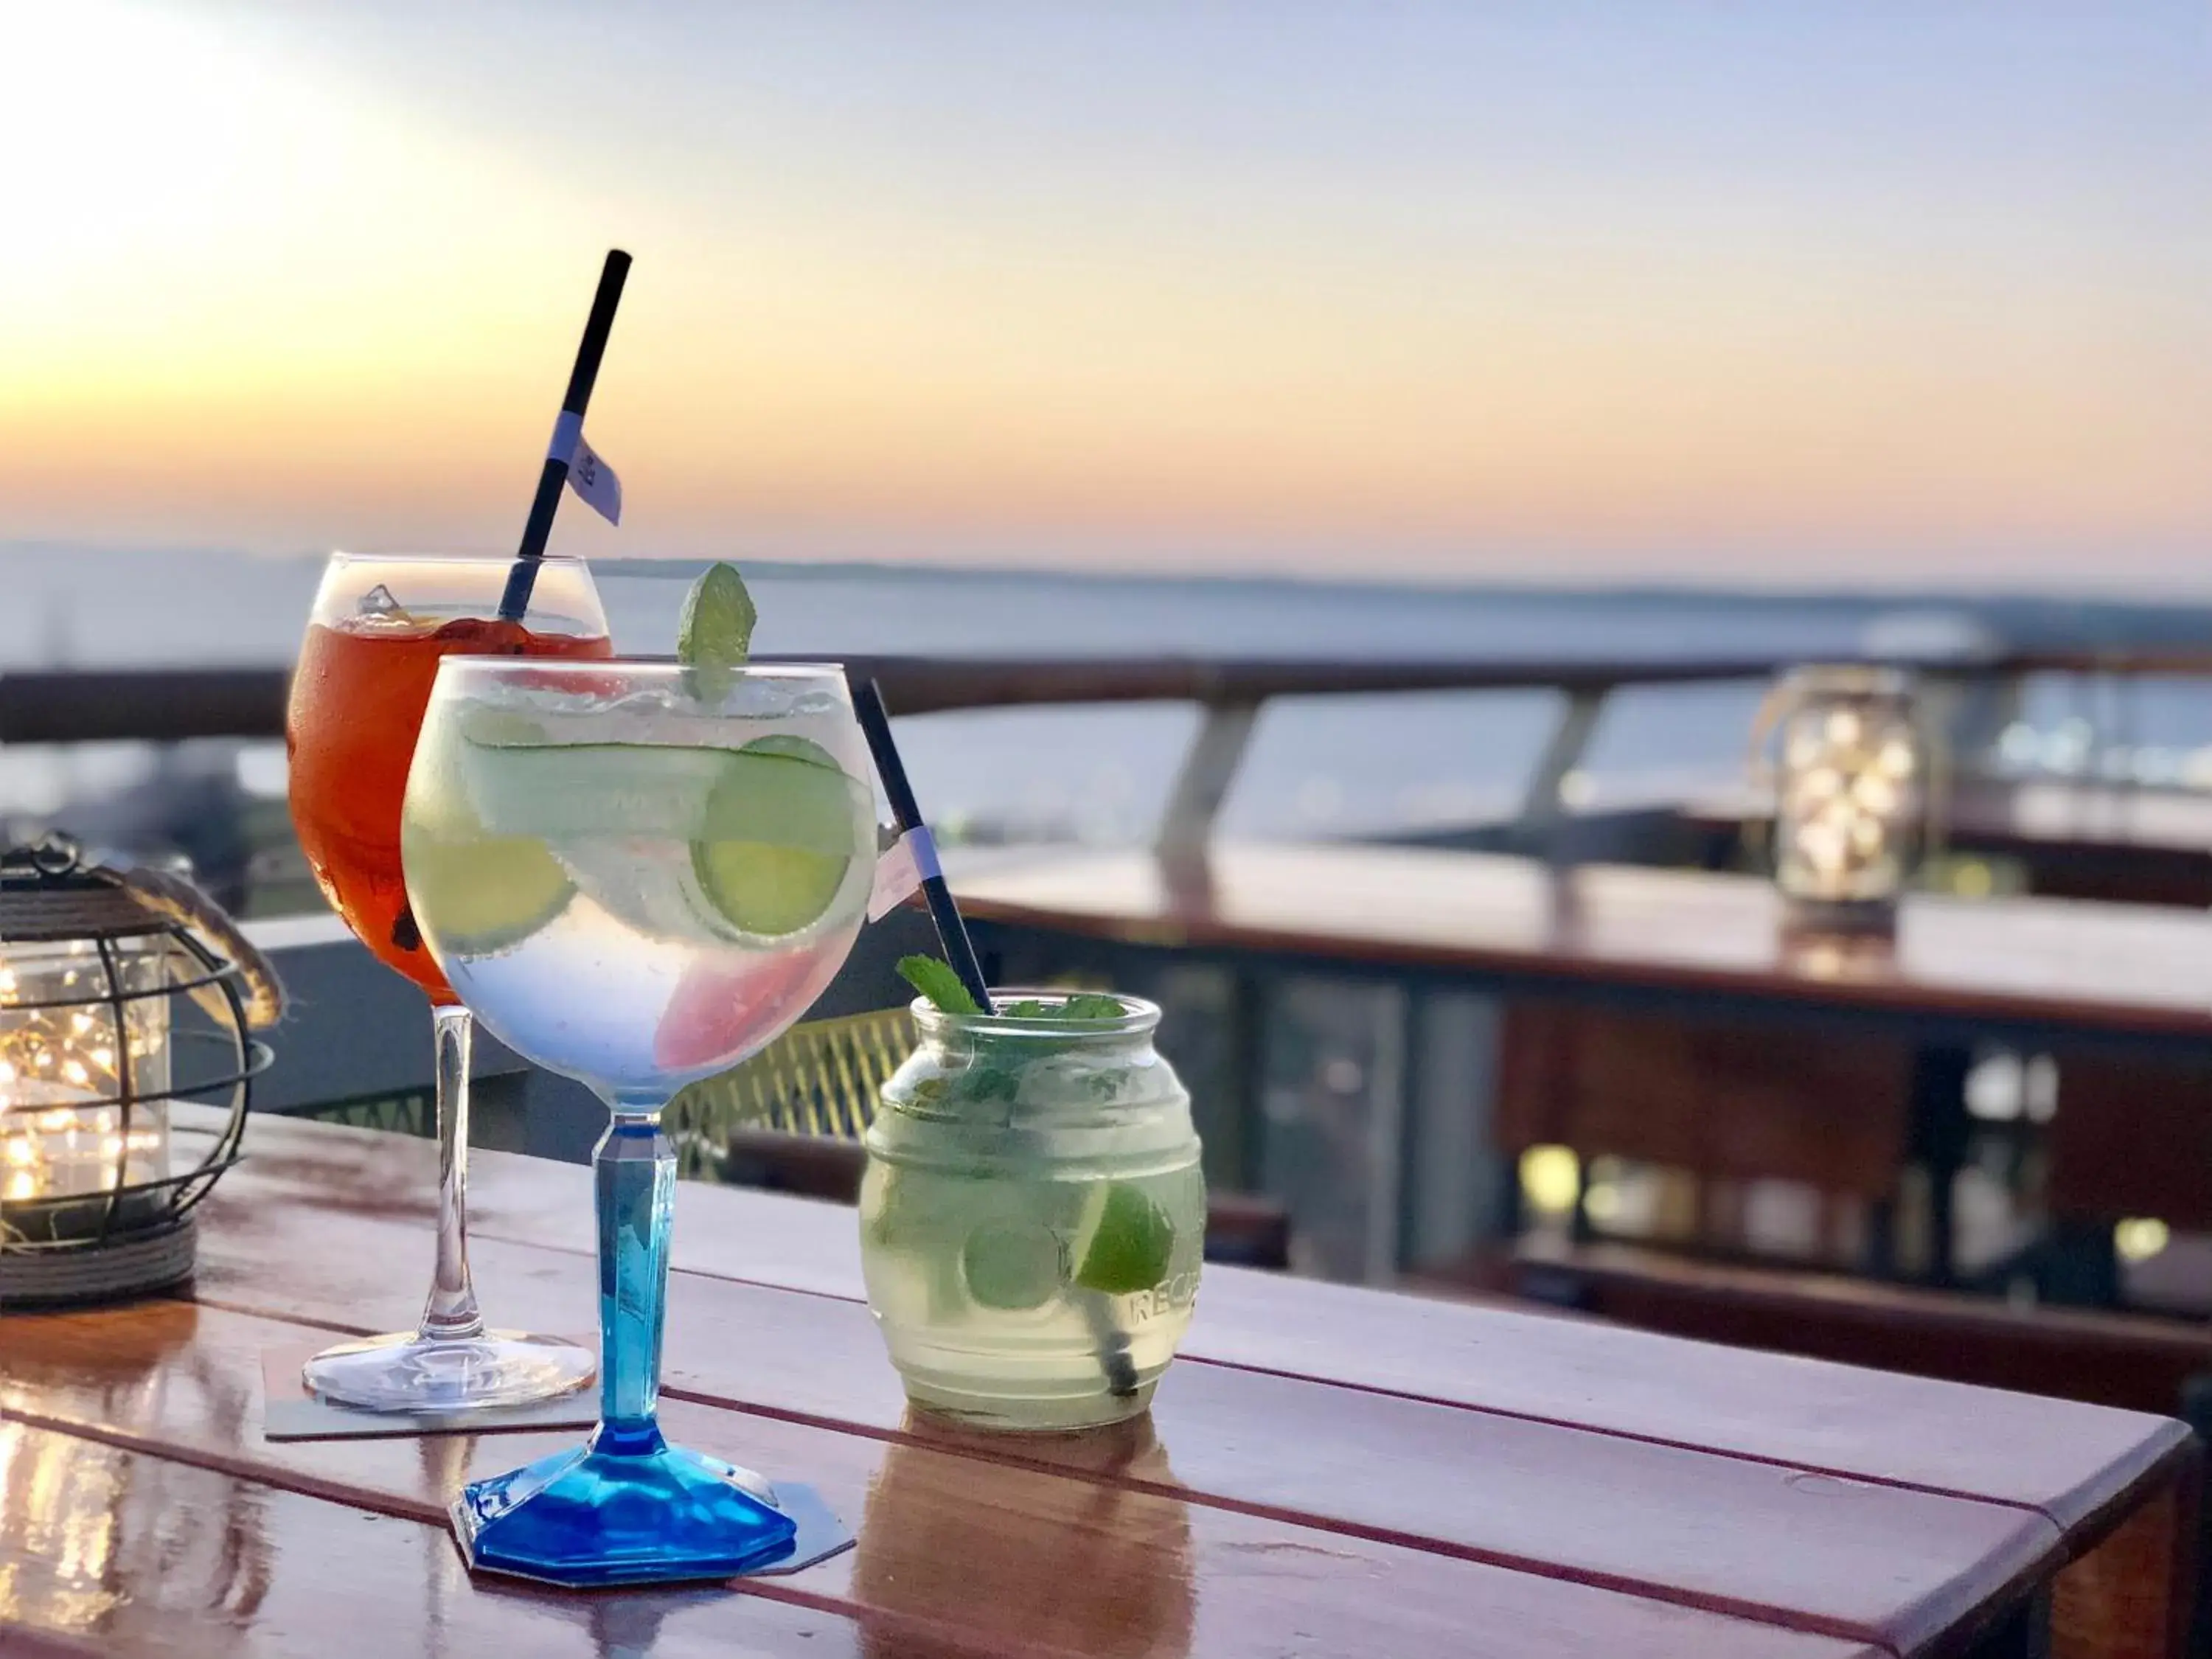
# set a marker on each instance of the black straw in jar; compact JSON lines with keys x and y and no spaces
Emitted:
{"x":554,"y":476}
{"x":951,"y":931}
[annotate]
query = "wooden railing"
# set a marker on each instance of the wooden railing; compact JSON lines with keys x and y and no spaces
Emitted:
{"x":152,"y":705}
{"x":166,"y":704}
{"x":171,"y":704}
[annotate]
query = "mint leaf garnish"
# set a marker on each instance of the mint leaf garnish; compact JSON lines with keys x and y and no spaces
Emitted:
{"x":715,"y":637}
{"x":936,"y":980}
{"x":1083,"y":1005}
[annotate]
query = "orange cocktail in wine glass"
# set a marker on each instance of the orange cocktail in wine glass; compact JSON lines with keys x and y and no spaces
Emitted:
{"x":380,"y":626}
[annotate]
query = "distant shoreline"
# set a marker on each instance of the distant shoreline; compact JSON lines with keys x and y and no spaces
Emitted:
{"x":2020,"y":614}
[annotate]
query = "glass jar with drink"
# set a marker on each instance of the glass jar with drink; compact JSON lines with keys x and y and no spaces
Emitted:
{"x":1033,"y":1215}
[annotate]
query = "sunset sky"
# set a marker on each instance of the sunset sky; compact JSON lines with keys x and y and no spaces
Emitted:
{"x":1776,"y":290}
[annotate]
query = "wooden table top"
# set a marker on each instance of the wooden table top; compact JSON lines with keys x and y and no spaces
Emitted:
{"x":2107,"y":969}
{"x":2034,"y":810}
{"x":1325,"y":1471}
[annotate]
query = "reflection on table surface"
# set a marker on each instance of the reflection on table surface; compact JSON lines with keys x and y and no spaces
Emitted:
{"x":1114,"y":1578}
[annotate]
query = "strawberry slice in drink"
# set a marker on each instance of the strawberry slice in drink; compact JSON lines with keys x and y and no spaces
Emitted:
{"x":724,"y":1008}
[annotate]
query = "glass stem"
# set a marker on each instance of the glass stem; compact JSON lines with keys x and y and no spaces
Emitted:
{"x":451,"y":1315}
{"x":635,"y":1171}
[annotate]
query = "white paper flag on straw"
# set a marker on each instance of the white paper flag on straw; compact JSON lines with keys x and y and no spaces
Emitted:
{"x":589,"y":474}
{"x":906,"y":863}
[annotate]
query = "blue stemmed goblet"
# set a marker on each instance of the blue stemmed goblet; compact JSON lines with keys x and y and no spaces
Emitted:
{"x":684,"y":857}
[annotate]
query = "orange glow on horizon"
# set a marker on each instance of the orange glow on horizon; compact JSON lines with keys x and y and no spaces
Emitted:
{"x":347,"y":325}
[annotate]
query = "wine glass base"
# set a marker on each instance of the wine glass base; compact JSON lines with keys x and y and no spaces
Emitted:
{"x":586,"y":1518}
{"x":406,"y":1372}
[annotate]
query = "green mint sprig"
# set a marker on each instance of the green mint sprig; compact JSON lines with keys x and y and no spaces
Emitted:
{"x":936,"y":980}
{"x":1084,"y":1005}
{"x":715,"y":637}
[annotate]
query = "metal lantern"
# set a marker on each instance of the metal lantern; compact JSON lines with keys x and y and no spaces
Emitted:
{"x":114,"y":1003}
{"x":1850,"y":798}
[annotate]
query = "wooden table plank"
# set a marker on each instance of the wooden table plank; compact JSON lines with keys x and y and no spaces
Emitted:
{"x":2106,"y":968}
{"x":1866,"y":1561}
{"x":125,"y":1554}
{"x":2072,"y":1461}
{"x":1017,"y":1559}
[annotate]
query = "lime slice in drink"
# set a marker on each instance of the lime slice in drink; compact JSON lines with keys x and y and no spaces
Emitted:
{"x":1012,"y":1265}
{"x":477,"y":891}
{"x":562,"y":791}
{"x":692,"y":842}
{"x":1128,"y":1245}
{"x":779,"y":824}
{"x":479,"y":895}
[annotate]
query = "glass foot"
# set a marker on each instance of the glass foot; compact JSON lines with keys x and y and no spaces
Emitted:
{"x":589,"y":1517}
{"x":404,"y":1372}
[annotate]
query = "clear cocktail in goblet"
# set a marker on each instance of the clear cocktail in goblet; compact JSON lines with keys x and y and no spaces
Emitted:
{"x":712,"y":839}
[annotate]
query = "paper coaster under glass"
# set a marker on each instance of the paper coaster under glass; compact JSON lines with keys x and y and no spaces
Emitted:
{"x":595,"y":1517}
{"x":289,"y":1412}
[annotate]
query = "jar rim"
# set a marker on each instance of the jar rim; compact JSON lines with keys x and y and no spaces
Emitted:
{"x":1138,"y":1016}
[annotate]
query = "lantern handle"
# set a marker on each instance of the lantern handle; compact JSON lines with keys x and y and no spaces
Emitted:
{"x":179,"y":900}
{"x":52,"y":854}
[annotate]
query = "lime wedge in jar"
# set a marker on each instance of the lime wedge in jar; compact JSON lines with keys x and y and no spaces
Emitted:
{"x":1127,"y":1246}
{"x":1012,"y":1265}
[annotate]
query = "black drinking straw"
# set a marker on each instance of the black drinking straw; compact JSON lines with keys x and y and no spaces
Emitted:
{"x":960,"y":951}
{"x":951,"y":931}
{"x":554,"y":477}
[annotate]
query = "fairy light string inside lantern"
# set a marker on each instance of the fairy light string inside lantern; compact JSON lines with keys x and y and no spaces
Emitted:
{"x":80,"y":1076}
{"x":1851,"y":791}
{"x":121,"y":990}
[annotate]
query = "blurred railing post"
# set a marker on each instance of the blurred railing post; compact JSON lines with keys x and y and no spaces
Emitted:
{"x":1541,"y":808}
{"x":1209,"y":767}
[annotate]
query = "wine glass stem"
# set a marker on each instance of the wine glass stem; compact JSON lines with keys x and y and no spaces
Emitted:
{"x":635,"y":1167}
{"x":450,"y":1314}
